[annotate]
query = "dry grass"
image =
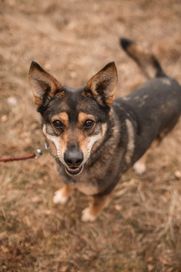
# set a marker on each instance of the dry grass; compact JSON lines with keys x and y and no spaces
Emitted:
{"x":140,"y":230}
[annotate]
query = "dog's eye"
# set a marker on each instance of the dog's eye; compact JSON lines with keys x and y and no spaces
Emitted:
{"x":58,"y":124}
{"x":88,"y":124}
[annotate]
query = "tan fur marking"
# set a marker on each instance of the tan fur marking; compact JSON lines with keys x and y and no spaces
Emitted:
{"x":89,"y":143}
{"x":111,"y":98}
{"x":55,"y":144}
{"x":37,"y":100}
{"x":92,"y":212}
{"x":61,"y":196}
{"x":64,"y":141}
{"x":87,"y":188}
{"x":82,"y":117}
{"x":52,"y":147}
{"x":63,"y":117}
{"x":81,"y":138}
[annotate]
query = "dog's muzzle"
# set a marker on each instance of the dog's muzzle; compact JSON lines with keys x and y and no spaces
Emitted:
{"x":73,"y":161}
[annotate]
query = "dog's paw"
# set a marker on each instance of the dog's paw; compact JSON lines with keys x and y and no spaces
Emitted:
{"x":59,"y":197}
{"x":139,"y":168}
{"x":88,"y":216}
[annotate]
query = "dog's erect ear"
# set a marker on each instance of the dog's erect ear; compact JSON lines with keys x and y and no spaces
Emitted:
{"x":43,"y":83}
{"x":103,"y":84}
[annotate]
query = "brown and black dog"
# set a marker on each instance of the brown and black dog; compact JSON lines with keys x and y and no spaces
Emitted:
{"x":94,"y":137}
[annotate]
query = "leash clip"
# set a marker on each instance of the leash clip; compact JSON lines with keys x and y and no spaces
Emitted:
{"x":38,"y":153}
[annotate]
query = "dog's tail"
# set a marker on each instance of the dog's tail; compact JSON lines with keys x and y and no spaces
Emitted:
{"x":146,"y":61}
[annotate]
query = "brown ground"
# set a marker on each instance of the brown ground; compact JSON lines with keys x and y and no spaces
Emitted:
{"x":140,"y":230}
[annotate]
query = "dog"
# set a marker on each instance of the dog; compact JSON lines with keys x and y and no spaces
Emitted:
{"x":95,"y":138}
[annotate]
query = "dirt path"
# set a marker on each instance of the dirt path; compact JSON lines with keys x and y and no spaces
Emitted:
{"x":140,"y":230}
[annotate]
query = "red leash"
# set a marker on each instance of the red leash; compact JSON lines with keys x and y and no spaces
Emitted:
{"x":34,"y":155}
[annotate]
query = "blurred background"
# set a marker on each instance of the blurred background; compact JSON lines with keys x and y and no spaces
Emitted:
{"x":73,"y":39}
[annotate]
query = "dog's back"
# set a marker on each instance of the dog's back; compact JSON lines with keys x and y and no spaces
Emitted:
{"x":156,"y":106}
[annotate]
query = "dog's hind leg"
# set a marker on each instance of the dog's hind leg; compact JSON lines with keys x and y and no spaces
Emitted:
{"x":62,"y":195}
{"x":140,"y":166}
{"x":95,"y":208}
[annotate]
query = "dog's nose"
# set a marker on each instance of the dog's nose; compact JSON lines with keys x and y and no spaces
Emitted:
{"x":73,"y":158}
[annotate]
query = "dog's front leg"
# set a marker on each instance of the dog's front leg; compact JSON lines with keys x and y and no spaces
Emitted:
{"x":95,"y":208}
{"x":62,"y":195}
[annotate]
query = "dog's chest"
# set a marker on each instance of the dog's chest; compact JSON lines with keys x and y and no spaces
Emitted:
{"x":86,"y":187}
{"x":91,"y":182}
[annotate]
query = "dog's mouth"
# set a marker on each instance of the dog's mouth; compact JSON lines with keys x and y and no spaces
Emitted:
{"x":73,"y":171}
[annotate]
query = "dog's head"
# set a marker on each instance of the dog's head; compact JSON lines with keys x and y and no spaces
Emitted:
{"x":74,"y":121}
